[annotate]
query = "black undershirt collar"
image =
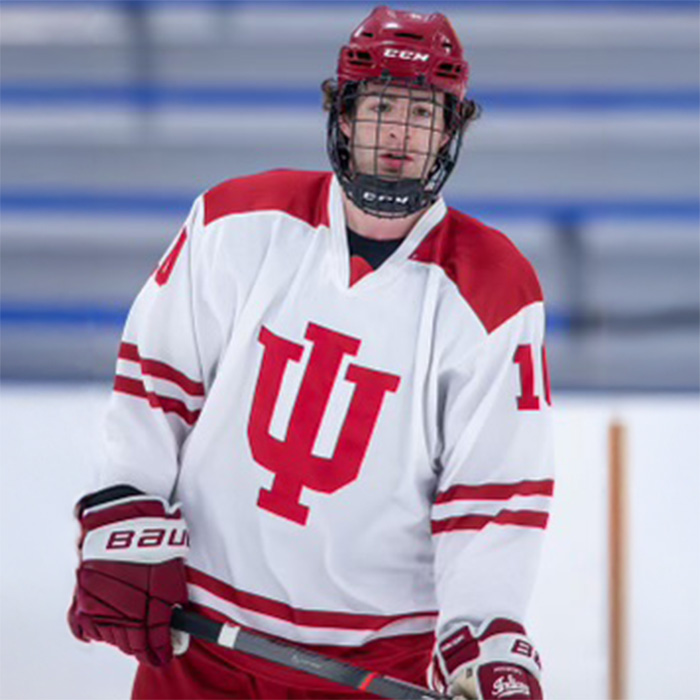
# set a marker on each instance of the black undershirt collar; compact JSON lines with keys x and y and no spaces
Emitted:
{"x":374,"y":252}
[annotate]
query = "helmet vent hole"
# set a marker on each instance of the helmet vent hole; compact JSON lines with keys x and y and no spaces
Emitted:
{"x":369,"y":34}
{"x":449,"y":69}
{"x":408,"y":35}
{"x":359,"y":58}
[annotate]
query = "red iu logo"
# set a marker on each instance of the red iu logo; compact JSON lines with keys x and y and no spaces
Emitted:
{"x":291,"y":460}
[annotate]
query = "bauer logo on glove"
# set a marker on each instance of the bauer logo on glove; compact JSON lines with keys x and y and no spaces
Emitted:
{"x":147,"y":536}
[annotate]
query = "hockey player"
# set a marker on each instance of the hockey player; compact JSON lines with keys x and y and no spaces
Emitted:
{"x":330,"y":417}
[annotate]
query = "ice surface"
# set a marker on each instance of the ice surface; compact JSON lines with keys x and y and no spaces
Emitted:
{"x":50,"y":443}
{"x":48,"y":447}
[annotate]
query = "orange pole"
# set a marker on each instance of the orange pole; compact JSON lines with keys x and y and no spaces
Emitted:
{"x":617,"y":563}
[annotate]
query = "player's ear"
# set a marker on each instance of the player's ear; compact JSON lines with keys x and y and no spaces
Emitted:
{"x":446,"y":131}
{"x":345,"y":126}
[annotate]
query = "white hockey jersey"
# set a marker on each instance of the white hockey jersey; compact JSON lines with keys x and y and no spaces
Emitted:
{"x":356,"y":458}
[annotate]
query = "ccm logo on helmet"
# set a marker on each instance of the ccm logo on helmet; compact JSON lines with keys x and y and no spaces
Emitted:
{"x":406,"y":55}
{"x":374,"y":197}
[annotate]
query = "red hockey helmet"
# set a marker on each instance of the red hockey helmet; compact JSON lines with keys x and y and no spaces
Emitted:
{"x":397,"y":55}
{"x":405,"y":45}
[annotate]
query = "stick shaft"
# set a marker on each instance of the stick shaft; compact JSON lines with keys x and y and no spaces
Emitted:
{"x":290,"y":656}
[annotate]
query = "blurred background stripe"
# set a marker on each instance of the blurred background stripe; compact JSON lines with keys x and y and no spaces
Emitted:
{"x":115,"y":115}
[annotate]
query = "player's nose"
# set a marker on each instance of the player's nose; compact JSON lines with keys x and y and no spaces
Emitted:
{"x":398,"y":130}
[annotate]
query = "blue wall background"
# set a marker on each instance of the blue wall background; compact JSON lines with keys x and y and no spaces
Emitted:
{"x":115,"y":115}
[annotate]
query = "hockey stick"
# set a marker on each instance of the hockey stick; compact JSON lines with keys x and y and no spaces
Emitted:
{"x":234,"y":637}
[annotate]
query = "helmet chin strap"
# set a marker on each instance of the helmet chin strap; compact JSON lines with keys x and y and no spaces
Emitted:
{"x":387,"y":198}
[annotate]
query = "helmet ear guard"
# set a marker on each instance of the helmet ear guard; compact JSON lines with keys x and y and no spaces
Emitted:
{"x":411,"y":52}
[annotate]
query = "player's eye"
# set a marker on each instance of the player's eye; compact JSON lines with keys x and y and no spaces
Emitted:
{"x":423,"y":112}
{"x":381,"y":107}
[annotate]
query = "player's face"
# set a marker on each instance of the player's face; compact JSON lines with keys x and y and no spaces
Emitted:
{"x":396,"y":132}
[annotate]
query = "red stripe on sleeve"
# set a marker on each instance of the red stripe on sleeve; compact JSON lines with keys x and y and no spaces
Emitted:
{"x":134,"y":387}
{"x":522,"y":518}
{"x":466,"y":522}
{"x":159,"y":370}
{"x":496,"y":492}
{"x":129,"y":351}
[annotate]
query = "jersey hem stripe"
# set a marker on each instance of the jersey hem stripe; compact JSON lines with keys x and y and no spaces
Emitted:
{"x":297,"y":616}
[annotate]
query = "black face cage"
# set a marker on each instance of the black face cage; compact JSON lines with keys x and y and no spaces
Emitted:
{"x":391,"y":194}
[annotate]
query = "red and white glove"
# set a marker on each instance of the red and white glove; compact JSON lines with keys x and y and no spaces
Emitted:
{"x":131,"y":572}
{"x":494,"y":662}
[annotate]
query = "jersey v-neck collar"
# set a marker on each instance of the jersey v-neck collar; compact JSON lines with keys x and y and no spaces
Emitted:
{"x":373,"y":250}
{"x":340,"y":252}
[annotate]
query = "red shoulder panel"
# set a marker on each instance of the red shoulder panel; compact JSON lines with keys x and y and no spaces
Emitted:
{"x":490,"y":272}
{"x":301,"y":194}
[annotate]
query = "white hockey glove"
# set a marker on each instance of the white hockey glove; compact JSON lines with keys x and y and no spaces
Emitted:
{"x":493,"y":662}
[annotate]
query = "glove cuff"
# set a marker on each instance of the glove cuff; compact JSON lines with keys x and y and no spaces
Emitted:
{"x":123,"y":524}
{"x":107,"y":495}
{"x":498,"y":640}
{"x":505,"y":641}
